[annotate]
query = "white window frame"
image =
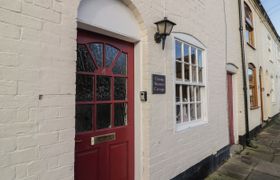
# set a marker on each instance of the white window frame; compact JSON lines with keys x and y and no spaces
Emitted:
{"x":191,"y":41}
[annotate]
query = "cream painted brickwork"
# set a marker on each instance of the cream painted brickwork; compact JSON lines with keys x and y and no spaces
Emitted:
{"x":169,"y":153}
{"x":234,"y":57}
{"x":37,"y":59}
{"x":37,"y":50}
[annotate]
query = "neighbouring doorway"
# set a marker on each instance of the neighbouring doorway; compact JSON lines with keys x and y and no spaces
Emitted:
{"x":261,"y":92}
{"x":104,"y":139}
{"x":230,"y":107}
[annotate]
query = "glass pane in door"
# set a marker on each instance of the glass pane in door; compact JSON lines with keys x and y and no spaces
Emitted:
{"x":121,"y":65}
{"x":111,"y":53}
{"x":97,"y":51}
{"x":84,"y":60}
{"x":103,"y":88}
{"x":84,"y":88}
{"x":120,"y":114}
{"x":83,"y":118}
{"x":120,"y":88}
{"x":103,"y":116}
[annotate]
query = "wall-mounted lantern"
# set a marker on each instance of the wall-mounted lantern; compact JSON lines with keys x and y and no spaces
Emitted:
{"x":164,"y":28}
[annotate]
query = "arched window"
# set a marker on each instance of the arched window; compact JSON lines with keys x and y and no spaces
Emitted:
{"x":249,"y":33}
{"x":190,"y":81}
{"x":253,"y":86}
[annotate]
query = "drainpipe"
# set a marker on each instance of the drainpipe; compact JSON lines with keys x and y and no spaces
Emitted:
{"x":244,"y":72}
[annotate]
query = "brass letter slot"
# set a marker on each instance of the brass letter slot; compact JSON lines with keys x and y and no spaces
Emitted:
{"x":103,"y":138}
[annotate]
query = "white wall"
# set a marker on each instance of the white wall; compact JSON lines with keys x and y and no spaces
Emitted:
{"x":37,"y":94}
{"x":37,"y":50}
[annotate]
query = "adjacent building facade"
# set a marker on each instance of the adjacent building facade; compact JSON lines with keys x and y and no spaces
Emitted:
{"x":261,"y":51}
{"x":87,"y":93}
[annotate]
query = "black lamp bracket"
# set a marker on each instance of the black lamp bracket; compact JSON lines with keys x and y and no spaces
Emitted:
{"x":157,"y":37}
{"x":160,"y":38}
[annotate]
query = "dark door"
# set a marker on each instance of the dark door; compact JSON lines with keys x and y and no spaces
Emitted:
{"x":104,"y":140}
{"x":230,"y":107}
{"x":261,"y":93}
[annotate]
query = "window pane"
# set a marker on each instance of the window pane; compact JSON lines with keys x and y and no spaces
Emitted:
{"x":120,"y":114}
{"x":178,"y":70}
{"x":247,"y":35}
{"x":84,"y":60}
{"x":84,"y":86}
{"x":198,"y":97}
{"x":178,"y":114}
{"x":185,"y":112}
{"x":121,"y":65}
{"x":103,"y":88}
{"x":250,"y":74}
{"x":199,"y":57}
{"x":193,"y":55}
{"x":185,"y":93}
{"x":191,"y":93}
{"x":198,"y":109}
{"x":194,"y":69}
{"x":187,"y":72}
{"x":192,"y":112}
{"x":111,"y":53}
{"x":103,"y":116}
{"x":83,"y":118}
{"x":186,"y":53}
{"x":177,"y":93}
{"x":178,"y":51}
{"x":97,"y":51}
{"x":120,"y":89}
{"x":200,"y":78}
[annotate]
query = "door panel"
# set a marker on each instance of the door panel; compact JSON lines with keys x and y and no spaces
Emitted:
{"x":261,"y":94}
{"x":91,"y":158}
{"x":104,"y":147}
{"x":119,"y":161}
{"x":230,"y":108}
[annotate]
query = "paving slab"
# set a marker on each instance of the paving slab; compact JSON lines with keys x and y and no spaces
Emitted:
{"x":276,"y":159}
{"x":261,"y":176}
{"x":259,"y":162}
{"x":261,"y":148}
{"x":259,"y":155}
{"x":235,"y":170}
{"x":268,"y":168}
{"x":219,"y":176}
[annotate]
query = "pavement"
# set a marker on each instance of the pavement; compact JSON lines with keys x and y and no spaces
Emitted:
{"x":259,"y":162}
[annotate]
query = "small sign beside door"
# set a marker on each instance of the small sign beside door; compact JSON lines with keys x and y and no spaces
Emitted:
{"x":158,"y":84}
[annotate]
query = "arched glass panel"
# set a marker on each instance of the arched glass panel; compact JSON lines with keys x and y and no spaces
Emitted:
{"x":84,"y":60}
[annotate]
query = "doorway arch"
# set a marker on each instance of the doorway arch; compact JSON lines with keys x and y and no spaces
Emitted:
{"x":94,"y":21}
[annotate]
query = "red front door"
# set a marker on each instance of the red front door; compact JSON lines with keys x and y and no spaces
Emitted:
{"x":104,"y":141}
{"x":230,"y":107}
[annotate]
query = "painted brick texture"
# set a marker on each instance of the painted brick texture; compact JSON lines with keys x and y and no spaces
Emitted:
{"x":168,"y":152}
{"x":37,"y":58}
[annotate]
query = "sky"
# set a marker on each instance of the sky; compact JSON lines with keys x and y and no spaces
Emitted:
{"x":272,"y":8}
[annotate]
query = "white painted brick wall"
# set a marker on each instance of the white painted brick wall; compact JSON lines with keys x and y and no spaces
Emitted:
{"x":37,"y":57}
{"x":166,"y":152}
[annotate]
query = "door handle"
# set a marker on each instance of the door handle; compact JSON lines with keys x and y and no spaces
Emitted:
{"x":78,"y":141}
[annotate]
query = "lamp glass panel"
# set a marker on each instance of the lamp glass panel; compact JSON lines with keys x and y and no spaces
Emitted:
{"x":169,"y":27}
{"x":161,"y":27}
